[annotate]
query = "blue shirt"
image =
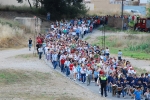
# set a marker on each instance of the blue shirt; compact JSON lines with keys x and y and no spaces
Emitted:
{"x":110,"y":79}
{"x":78,"y":68}
{"x":95,"y":74}
{"x":137,"y":95}
{"x":78,"y":30}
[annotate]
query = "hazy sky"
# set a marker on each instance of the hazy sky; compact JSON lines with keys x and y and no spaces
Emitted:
{"x":14,"y":2}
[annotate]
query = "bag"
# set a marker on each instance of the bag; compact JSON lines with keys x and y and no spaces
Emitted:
{"x":97,"y":81}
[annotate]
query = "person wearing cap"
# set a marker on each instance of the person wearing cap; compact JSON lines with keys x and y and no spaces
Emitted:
{"x":103,"y":83}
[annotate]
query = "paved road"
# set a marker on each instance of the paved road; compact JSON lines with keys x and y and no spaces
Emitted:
{"x":92,"y":87}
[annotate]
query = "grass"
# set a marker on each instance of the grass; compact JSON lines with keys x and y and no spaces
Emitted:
{"x":116,"y":43}
{"x":109,"y":29}
{"x":139,"y":71}
{"x":26,"y":56}
{"x":87,"y":38}
{"x":8,"y":77}
{"x":112,"y":29}
{"x":12,"y":34}
{"x":27,"y":85}
{"x":11,"y":76}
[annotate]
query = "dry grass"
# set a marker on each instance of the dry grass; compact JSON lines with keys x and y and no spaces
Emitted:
{"x":128,"y":40}
{"x":12,"y":34}
{"x":27,"y":85}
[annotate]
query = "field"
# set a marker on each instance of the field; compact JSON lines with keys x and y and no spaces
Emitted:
{"x":134,"y":46}
{"x":24,"y":77}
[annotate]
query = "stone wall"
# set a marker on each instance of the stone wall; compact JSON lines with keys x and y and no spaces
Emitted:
{"x":116,"y":22}
{"x":33,"y":24}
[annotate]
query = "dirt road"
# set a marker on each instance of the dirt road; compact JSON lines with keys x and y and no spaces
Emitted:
{"x":39,"y":82}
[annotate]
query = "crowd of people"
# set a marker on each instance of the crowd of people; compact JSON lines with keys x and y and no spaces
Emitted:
{"x":63,"y":46}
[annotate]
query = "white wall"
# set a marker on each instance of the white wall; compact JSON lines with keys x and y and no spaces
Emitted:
{"x":90,"y":6}
{"x":31,"y":23}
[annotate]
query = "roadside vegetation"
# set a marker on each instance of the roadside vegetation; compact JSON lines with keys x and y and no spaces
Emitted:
{"x":134,"y":46}
{"x":19,"y":81}
{"x":12,"y":34}
{"x":112,"y":29}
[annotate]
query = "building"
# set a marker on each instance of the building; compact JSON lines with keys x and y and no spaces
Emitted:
{"x":113,"y":6}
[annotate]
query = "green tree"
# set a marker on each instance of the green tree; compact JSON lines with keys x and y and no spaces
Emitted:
{"x":59,"y":8}
{"x":64,"y":8}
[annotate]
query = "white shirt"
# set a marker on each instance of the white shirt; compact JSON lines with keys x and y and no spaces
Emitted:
{"x":107,"y":51}
{"x":40,"y":49}
{"x":52,"y":26}
{"x":46,"y":49}
{"x":73,"y":33}
{"x":67,"y":63}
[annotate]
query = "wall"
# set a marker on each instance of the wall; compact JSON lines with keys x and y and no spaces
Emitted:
{"x":116,"y":22}
{"x":105,"y":6}
{"x":32,"y":24}
{"x":90,"y":6}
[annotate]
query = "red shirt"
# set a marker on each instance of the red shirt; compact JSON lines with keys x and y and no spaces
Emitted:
{"x":62,"y":61}
{"x":71,"y":66}
{"x":101,"y":72}
{"x":88,"y":65}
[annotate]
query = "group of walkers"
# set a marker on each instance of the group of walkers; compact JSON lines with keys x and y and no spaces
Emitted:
{"x":63,"y":47}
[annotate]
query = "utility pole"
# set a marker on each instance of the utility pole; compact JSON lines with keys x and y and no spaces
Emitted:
{"x":34,"y":52}
{"x":104,"y":36}
{"x":122,"y":13}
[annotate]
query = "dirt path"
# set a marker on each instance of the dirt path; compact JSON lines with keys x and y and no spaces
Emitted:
{"x":10,"y":59}
{"x":144,"y":64}
{"x":45,"y":83}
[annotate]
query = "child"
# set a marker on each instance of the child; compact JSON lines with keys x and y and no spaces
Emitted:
{"x":138,"y":93}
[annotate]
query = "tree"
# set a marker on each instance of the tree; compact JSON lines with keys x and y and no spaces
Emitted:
{"x":64,"y":8}
{"x":59,"y":8}
{"x":148,"y":9}
{"x":21,"y":1}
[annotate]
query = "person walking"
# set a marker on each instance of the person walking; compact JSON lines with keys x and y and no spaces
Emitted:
{"x":88,"y":75}
{"x":138,"y":94}
{"x":103,"y":82}
{"x":119,"y":55}
{"x":83,"y":74}
{"x":54,"y":59}
{"x":67,"y":64}
{"x":40,"y":51}
{"x":30,"y":44}
{"x":48,"y":16}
